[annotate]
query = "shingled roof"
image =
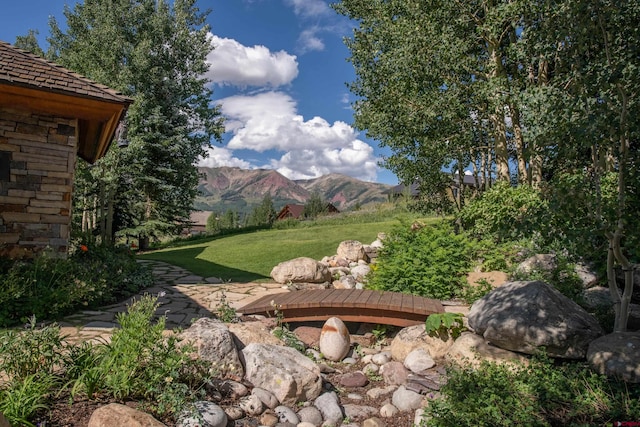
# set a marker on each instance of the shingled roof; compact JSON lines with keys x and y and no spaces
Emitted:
{"x":21,"y":68}
{"x":32,"y":83}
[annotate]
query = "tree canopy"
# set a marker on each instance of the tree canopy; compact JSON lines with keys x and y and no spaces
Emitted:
{"x":155,"y":52}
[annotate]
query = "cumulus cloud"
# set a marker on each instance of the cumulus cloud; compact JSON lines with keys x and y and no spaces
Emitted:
{"x":309,"y":8}
{"x":309,"y":40}
{"x":219,"y":156}
{"x":311,"y":148}
{"x":232,"y":63}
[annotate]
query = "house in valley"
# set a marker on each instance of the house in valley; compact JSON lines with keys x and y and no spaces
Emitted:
{"x":48,"y":116}
{"x":296,"y":211}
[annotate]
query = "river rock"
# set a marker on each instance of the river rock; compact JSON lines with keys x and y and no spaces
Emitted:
{"x":115,"y":414}
{"x":616,"y":355}
{"x":301,"y":270}
{"x":335,"y":340}
{"x":419,"y":360}
{"x":288,"y":374}
{"x":208,"y":415}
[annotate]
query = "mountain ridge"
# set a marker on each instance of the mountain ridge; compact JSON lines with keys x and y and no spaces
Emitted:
{"x":232,"y":188}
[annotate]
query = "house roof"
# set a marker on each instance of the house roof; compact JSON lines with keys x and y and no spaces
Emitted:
{"x":290,"y":211}
{"x":33,"y":83}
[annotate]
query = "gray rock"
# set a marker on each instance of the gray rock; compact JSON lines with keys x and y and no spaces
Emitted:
{"x":360,"y":272}
{"x":329,"y":407}
{"x":616,"y":355}
{"x":311,"y":415}
{"x":525,"y":316}
{"x":414,"y":337}
{"x":301,"y":270}
{"x":374,"y":422}
{"x":472,"y":349}
{"x":394,"y":373}
{"x":234,"y":413}
{"x":286,"y":415}
{"x":345,"y":282}
{"x":115,"y":414}
{"x":353,"y":379}
{"x":335,"y":339}
{"x":586,"y":275}
{"x":268,"y":398}
{"x":419,"y":360}
{"x":208,"y":414}
{"x":539,"y":262}
{"x":359,"y":412}
{"x":351,"y":250}
{"x":233,"y":389}
{"x":388,"y":411}
{"x":287,"y":373}
{"x":597,"y":297}
{"x":406,"y":400}
{"x":214,"y":343}
{"x":378,"y":392}
{"x":252,"y":405}
{"x":381,"y":358}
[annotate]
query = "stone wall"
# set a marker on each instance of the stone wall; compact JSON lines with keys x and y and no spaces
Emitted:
{"x":35,"y":194}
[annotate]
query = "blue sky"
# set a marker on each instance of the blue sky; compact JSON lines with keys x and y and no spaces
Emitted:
{"x":279,"y":71}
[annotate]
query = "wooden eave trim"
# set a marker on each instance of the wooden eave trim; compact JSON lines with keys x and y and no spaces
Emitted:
{"x":62,"y":105}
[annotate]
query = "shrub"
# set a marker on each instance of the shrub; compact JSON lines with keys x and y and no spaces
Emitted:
{"x":431,"y":261}
{"x":506,"y":213}
{"x":48,"y":286}
{"x":540,"y":394}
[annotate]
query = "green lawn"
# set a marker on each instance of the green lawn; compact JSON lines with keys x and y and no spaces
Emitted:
{"x":250,"y":257}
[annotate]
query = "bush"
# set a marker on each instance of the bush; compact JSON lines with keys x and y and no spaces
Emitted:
{"x":506,"y":213}
{"x":430,"y":261}
{"x":541,"y":394}
{"x":48,"y":287}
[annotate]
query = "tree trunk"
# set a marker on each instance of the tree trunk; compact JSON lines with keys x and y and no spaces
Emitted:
{"x":497,"y":116}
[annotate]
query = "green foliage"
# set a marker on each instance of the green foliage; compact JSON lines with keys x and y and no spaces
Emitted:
{"x":314,"y":207}
{"x":445,"y":325}
{"x":427,"y":260}
{"x":263,"y":214}
{"x":21,"y":400}
{"x":506,"y":213}
{"x":154,"y":52}
{"x":224,"y":311}
{"x":282,"y":331}
{"x":49,"y":287}
{"x":540,"y":394}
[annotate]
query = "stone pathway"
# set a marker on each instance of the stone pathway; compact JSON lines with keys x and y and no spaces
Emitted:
{"x":182,"y":298}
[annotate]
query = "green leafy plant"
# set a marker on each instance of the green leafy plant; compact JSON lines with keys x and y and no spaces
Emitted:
{"x":282,"y":331}
{"x":445,"y":325}
{"x":224,"y":311}
{"x":427,"y":260}
{"x":544,"y":393}
{"x":21,"y":399}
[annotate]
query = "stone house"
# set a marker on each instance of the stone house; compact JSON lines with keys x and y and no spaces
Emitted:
{"x":48,"y":116}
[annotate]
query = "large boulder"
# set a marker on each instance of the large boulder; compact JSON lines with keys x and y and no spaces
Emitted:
{"x":115,"y":414}
{"x":471,"y":349}
{"x":213,"y":342}
{"x":301,"y":270}
{"x":285,"y":372}
{"x":351,"y":250}
{"x":616,"y":355}
{"x":415,"y":337}
{"x":525,"y":316}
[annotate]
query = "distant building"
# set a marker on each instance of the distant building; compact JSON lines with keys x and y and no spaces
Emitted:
{"x":295,"y":211}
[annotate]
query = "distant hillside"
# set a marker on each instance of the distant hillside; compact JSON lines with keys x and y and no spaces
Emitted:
{"x":241,"y":190}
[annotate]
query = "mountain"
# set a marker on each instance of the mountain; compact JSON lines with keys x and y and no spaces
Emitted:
{"x":240,"y":190}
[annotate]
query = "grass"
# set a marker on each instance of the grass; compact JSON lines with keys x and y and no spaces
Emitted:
{"x":250,"y":257}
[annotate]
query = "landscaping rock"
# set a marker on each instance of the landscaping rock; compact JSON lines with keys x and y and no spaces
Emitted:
{"x":616,"y":355}
{"x":309,"y":335}
{"x":311,"y":415}
{"x":288,"y":374}
{"x":268,"y":398}
{"x":345,"y":282}
{"x":301,"y":270}
{"x":472,"y":349}
{"x":359,"y":412}
{"x":394,"y":373}
{"x":214,"y":343}
{"x":335,"y":339}
{"x":419,"y":360}
{"x":115,"y":414}
{"x":359,"y":272}
{"x":329,"y":407}
{"x":252,"y":405}
{"x":353,"y":379}
{"x":406,"y":400}
{"x":244,"y":333}
{"x":374,"y":422}
{"x":414,"y":337}
{"x":525,"y":316}
{"x":351,"y":250}
{"x":209,"y":415}
{"x":286,"y":415}
{"x":538,"y":262}
{"x":388,"y":411}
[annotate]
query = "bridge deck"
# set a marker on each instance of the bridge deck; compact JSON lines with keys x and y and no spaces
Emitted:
{"x":350,"y":305}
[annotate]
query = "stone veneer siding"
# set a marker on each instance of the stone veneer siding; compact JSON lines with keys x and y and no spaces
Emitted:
{"x":35,"y":200}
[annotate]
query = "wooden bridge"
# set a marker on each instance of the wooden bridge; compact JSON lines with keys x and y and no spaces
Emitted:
{"x":350,"y":305}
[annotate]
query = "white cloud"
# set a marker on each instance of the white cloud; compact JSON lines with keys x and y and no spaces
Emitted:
{"x":311,"y":148}
{"x":232,"y":63}
{"x":218,"y":157}
{"x":309,"y":8}
{"x":309,"y":41}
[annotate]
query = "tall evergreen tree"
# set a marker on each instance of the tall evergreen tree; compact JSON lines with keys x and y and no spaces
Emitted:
{"x":154,"y":52}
